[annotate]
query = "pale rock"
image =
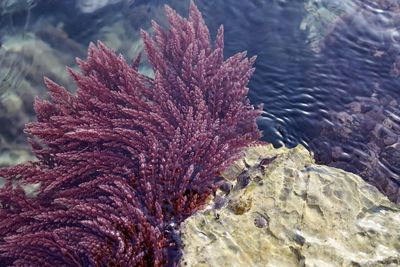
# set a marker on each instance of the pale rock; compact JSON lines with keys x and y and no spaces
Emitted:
{"x":294,"y":213}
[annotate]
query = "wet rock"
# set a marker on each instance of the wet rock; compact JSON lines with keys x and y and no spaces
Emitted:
{"x":322,"y":149}
{"x":393,"y":103}
{"x":226,"y":187}
{"x":91,"y":6}
{"x":302,"y":215}
{"x":8,"y":7}
{"x":344,"y":166}
{"x":338,"y":153}
{"x":390,"y":138}
{"x":219,"y":202}
{"x":14,"y":156}
{"x":58,"y":39}
{"x":260,"y":222}
{"x":320,"y":19}
{"x":242,"y":180}
{"x":32,"y":59}
{"x":240,"y":205}
{"x":11,"y":104}
{"x":391,"y":157}
{"x":355,"y":107}
{"x":368,"y":140}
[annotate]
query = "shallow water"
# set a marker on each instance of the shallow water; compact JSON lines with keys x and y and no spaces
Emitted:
{"x":327,"y":71}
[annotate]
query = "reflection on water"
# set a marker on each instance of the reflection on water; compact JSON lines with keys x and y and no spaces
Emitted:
{"x":328,"y":71}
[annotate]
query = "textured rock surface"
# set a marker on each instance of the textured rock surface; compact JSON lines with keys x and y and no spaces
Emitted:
{"x":284,"y":210}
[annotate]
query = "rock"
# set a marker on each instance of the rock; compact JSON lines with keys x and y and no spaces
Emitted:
{"x":11,"y":103}
{"x":16,"y":6}
{"x":58,"y":39}
{"x":15,"y":156}
{"x":25,"y":60}
{"x":355,"y":107}
{"x":91,"y":6}
{"x":321,"y":17}
{"x":364,"y":143}
{"x":240,"y":205}
{"x":302,"y":214}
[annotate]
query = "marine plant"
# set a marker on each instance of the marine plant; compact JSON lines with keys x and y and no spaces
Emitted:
{"x":124,"y":160}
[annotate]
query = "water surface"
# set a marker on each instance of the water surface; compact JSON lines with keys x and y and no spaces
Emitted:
{"x":327,"y":71}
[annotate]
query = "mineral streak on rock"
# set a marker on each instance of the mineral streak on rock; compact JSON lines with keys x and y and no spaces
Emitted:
{"x":303,"y":214}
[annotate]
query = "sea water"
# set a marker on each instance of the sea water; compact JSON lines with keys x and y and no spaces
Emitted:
{"x":327,"y":72}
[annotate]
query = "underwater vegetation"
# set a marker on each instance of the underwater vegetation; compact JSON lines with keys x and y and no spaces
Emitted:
{"x":124,"y":160}
{"x":50,"y":41}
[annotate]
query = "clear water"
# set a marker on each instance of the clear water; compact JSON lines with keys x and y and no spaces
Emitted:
{"x":327,"y":70}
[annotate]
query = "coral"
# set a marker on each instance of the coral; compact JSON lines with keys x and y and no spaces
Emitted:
{"x":127,"y":158}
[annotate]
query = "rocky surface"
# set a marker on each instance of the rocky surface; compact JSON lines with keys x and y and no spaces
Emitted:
{"x":278,"y":208}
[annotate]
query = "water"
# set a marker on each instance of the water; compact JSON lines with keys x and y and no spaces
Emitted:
{"x":327,"y":71}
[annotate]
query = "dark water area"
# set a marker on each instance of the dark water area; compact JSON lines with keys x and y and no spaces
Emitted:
{"x":270,"y":30}
{"x":327,"y":72}
{"x":332,"y":87}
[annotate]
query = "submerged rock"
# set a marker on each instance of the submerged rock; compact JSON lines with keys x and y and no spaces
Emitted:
{"x":90,"y":6}
{"x":15,"y":6}
{"x":302,"y":214}
{"x":360,"y":132}
{"x":25,"y":60}
{"x":321,"y":16}
{"x":366,"y":142}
